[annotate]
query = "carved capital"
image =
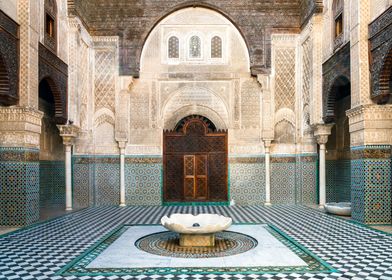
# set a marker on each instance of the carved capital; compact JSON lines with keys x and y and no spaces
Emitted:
{"x":321,"y":132}
{"x":122,"y":143}
{"x":126,"y":83}
{"x":68,"y":132}
{"x":265,"y":81}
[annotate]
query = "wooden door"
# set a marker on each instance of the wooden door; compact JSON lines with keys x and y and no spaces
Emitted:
{"x":195,"y":162}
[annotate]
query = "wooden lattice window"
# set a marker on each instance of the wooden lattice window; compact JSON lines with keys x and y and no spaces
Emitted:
{"x":216,"y":47}
{"x":173,"y":47}
{"x":195,"y":47}
{"x":50,"y":34}
{"x":338,"y":17}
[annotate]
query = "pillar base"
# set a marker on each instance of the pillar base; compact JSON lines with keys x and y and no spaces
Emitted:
{"x":267,"y":204}
{"x":197,"y":240}
{"x":68,"y":209}
{"x":321,"y":207}
{"x":123,"y":205}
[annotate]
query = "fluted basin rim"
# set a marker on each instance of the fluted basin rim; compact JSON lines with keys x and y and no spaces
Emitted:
{"x":183,"y":223}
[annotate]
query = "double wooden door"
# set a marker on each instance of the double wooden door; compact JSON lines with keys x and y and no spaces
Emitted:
{"x":195,"y":162}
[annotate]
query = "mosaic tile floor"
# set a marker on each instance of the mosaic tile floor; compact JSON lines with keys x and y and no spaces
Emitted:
{"x":355,"y":251}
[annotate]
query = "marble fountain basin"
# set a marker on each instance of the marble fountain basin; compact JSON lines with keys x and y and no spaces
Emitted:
{"x":196,"y":231}
{"x":339,"y":208}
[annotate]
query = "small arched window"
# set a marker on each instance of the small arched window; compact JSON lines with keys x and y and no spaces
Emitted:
{"x":50,"y":34}
{"x":173,"y":47}
{"x":195,"y":47}
{"x":337,"y":9}
{"x":216,"y":47}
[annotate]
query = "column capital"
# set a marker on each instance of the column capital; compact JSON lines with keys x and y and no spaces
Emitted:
{"x":68,"y":132}
{"x":265,"y":81}
{"x":122,"y":143}
{"x":321,"y":132}
{"x":267,"y":142}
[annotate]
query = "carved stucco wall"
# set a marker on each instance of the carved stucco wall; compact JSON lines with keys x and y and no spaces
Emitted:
{"x":118,"y":108}
{"x":284,"y":65}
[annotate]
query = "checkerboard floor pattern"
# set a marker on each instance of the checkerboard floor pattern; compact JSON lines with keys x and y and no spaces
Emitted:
{"x":38,"y":252}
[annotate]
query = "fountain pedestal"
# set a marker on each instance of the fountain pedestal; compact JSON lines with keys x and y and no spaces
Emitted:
{"x":196,"y":231}
{"x":197,"y":240}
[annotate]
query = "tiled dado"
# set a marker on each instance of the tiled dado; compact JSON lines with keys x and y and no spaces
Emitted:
{"x":19,"y":186}
{"x":338,"y":180}
{"x":294,"y":179}
{"x":52,"y":183}
{"x":247,"y":180}
{"x":371,"y":184}
{"x":96,"y":180}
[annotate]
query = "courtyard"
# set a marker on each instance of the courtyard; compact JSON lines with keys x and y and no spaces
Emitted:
{"x":47,"y":250}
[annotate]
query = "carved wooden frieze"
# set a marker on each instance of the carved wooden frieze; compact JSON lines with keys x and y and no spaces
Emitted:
{"x":9,"y":61}
{"x":380,"y":38}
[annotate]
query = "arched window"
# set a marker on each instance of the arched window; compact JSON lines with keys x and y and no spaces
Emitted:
{"x":337,"y":10}
{"x":50,"y":34}
{"x":173,"y":50}
{"x":195,"y":47}
{"x":216,"y":47}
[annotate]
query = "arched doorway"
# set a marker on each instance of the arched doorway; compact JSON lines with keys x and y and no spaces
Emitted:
{"x":195,"y":158}
{"x":52,"y":172}
{"x":338,"y":145}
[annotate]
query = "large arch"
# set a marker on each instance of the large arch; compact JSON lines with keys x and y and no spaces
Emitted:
{"x":182,"y":6}
{"x":183,"y":21}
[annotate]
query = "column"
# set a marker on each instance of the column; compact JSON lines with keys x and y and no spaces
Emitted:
{"x":68,"y":133}
{"x":322,"y":195}
{"x":321,"y":133}
{"x":267,"y":145}
{"x":122,"y":145}
{"x":68,"y":177}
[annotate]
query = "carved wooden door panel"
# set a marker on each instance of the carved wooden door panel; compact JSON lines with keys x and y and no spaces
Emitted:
{"x":195,"y":177}
{"x":195,"y":162}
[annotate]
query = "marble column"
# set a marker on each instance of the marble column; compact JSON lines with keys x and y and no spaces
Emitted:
{"x":267,"y":145}
{"x":322,"y":131}
{"x":68,"y":133}
{"x":122,"y":145}
{"x":68,"y":177}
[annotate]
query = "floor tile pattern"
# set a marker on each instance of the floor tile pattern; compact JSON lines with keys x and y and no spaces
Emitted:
{"x":357,"y":252}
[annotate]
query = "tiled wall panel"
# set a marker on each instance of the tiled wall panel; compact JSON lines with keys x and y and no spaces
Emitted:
{"x":19,"y":186}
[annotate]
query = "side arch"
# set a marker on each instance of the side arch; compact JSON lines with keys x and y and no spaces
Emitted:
{"x":340,"y":88}
{"x":58,"y":100}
